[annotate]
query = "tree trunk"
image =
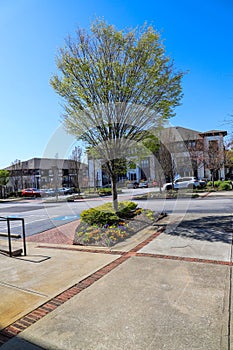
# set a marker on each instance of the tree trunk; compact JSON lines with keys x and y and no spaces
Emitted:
{"x":94,"y":175}
{"x":77,"y":187}
{"x":212,"y":178}
{"x":114,"y":193}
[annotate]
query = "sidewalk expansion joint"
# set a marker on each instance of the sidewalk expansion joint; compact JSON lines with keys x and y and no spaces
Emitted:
{"x":84,"y":250}
{"x":30,"y":291}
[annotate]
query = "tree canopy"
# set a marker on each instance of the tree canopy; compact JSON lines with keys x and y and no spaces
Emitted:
{"x":4,"y":177}
{"x":115,"y":84}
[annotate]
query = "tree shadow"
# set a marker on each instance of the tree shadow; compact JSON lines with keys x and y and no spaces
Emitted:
{"x":208,"y":228}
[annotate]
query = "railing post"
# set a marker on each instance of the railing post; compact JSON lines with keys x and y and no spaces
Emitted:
{"x":24,"y":237}
{"x":9,"y":236}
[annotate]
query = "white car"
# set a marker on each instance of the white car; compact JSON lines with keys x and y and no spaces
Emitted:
{"x":182,"y":182}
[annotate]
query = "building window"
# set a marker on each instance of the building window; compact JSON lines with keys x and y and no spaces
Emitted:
{"x":145,"y":163}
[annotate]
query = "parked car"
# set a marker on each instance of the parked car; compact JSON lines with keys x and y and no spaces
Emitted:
{"x":202,"y":182}
{"x":65,"y":190}
{"x":134,"y":184}
{"x":107,"y":186}
{"x":30,"y":192}
{"x":49,"y":192}
{"x":229,"y":177}
{"x":143,"y":184}
{"x":182,"y":182}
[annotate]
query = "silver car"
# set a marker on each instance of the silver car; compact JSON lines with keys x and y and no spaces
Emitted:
{"x":182,"y":182}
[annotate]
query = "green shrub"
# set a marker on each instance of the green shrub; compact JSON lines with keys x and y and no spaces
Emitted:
{"x":96,"y":216}
{"x":127,"y":209}
{"x":228,"y":181}
{"x":105,"y":191}
{"x":217,"y":183}
{"x":104,"y":214}
{"x":127,"y":206}
{"x":89,"y":190}
{"x":225,"y":186}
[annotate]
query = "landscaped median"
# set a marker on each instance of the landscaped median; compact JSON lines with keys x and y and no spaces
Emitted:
{"x":101,"y":226}
{"x":219,"y":186}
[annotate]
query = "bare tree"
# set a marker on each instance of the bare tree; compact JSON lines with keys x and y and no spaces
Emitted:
{"x":229,"y":157}
{"x":214,"y":159}
{"x":17,"y":175}
{"x":196,"y":154}
{"x":75,"y":164}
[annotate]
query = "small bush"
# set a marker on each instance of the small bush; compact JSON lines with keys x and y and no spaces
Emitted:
{"x":105,"y":191}
{"x":95,"y":216}
{"x":225,"y":186}
{"x":217,"y":183}
{"x":104,"y":214}
{"x":125,"y":207}
{"x":228,"y":182}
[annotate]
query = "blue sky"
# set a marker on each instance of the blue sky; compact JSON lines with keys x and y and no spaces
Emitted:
{"x":197,"y":35}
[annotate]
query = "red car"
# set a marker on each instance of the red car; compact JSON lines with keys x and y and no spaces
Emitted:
{"x":30,"y":192}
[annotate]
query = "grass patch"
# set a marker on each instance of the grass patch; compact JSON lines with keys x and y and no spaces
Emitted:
{"x":171,"y":194}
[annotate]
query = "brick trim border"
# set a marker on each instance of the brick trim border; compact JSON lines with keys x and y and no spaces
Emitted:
{"x":26,"y":321}
{"x":181,"y":258}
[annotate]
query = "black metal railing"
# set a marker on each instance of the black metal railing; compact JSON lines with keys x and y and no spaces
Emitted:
{"x":10,"y":235}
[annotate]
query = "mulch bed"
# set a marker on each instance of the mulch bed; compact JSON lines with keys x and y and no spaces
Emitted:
{"x":108,"y":235}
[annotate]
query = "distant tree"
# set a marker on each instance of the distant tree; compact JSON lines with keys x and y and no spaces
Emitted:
{"x":153,"y":144}
{"x":4,"y":178}
{"x":115,"y":84}
{"x":75,"y":164}
{"x":214,"y":159}
{"x":229,"y":156}
{"x":55,"y":181}
{"x":17,"y":174}
{"x":196,"y":154}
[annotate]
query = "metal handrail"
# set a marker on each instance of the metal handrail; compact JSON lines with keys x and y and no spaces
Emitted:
{"x":9,"y":235}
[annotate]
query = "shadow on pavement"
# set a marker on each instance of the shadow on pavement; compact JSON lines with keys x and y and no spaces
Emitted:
{"x":18,"y":343}
{"x":209,"y":228}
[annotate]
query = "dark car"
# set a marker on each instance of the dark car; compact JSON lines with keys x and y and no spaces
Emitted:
{"x":202,"y":183}
{"x":30,"y":192}
{"x":229,"y":177}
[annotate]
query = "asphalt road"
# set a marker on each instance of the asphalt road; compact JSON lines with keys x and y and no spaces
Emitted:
{"x":40,"y":216}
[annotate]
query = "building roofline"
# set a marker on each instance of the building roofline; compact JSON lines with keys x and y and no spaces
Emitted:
{"x":214,"y":133}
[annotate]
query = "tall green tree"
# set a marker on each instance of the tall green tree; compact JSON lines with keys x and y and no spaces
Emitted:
{"x":115,"y":85}
{"x":4,"y":178}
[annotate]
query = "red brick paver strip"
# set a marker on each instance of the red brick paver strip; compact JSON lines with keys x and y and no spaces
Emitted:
{"x":59,"y":235}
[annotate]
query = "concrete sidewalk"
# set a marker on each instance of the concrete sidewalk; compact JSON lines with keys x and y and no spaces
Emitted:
{"x":158,"y":290}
